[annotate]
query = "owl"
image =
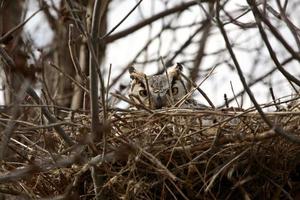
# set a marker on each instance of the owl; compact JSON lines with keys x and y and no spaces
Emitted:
{"x":159,"y":91}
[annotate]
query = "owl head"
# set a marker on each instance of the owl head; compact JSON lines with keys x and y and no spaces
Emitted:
{"x":157,"y":91}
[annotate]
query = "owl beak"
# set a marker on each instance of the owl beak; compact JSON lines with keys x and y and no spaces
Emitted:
{"x":158,"y":103}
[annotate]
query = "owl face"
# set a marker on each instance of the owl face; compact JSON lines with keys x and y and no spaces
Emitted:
{"x":157,"y":91}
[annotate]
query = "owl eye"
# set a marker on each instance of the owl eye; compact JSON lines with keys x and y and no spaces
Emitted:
{"x":174,"y":90}
{"x":143,"y":93}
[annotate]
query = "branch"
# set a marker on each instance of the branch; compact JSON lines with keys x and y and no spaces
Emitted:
{"x":277,"y":129}
{"x":258,"y":16}
{"x":124,"y":18}
{"x":202,"y":44}
{"x":93,"y":65}
{"x":16,"y":28}
{"x":259,"y":79}
{"x":150,"y":20}
{"x":52,"y":119}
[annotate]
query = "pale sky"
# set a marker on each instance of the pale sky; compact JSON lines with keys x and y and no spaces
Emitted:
{"x":121,"y":52}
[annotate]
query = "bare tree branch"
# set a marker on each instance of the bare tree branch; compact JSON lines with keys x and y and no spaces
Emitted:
{"x":277,"y":129}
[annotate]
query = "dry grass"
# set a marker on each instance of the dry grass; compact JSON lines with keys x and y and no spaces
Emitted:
{"x":165,"y":154}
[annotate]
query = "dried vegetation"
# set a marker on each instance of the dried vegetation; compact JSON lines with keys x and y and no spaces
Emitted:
{"x":166,"y":154}
{"x":67,"y":143}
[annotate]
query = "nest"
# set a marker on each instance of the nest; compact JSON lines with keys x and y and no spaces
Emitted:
{"x":161,"y":154}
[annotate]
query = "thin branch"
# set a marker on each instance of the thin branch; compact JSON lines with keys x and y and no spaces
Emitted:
{"x":93,"y":66}
{"x":150,"y":20}
{"x":258,"y":14}
{"x":122,"y":20}
{"x":277,"y":129}
{"x":8,"y":131}
{"x":202,"y":44}
{"x":259,"y":79}
{"x":52,"y":119}
{"x":264,"y":36}
{"x":69,"y":77}
{"x":16,"y":28}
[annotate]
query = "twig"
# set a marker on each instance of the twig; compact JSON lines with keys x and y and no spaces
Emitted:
{"x":122,"y":20}
{"x":93,"y":66}
{"x":19,"y":26}
{"x":168,"y":79}
{"x":278,"y":130}
{"x":18,"y":174}
{"x":69,"y":77}
{"x":203,"y":41}
{"x":257,"y":80}
{"x":258,"y":16}
{"x":223,"y":168}
{"x":75,"y":62}
{"x":196,"y":87}
{"x":226,"y":101}
{"x":8,"y":131}
{"x":273,"y":97}
{"x":131,"y":102}
{"x":237,"y":103}
{"x":150,"y":20}
{"x":52,"y":119}
{"x":125,"y":69}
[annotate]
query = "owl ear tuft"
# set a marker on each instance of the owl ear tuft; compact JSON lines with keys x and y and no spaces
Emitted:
{"x":134,"y":74}
{"x":131,"y":70}
{"x":175,"y":70}
{"x":179,"y":66}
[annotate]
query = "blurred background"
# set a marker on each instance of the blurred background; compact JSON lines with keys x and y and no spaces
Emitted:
{"x":51,"y":51}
